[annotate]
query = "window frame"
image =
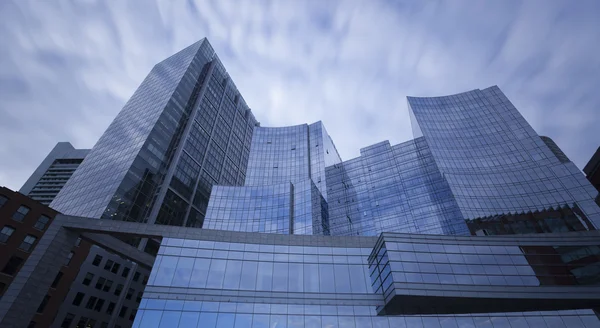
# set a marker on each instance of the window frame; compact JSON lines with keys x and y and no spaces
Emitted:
{"x":4,"y":234}
{"x":16,"y":269}
{"x":21,"y":216}
{"x":43,"y":224}
{"x":31,"y":244}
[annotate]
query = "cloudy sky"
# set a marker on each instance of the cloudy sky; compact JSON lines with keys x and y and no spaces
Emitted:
{"x":67,"y":67}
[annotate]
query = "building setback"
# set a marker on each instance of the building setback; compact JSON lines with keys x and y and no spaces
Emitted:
{"x":397,"y":237}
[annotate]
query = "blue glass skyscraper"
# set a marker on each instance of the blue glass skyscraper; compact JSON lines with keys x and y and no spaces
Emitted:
{"x":493,"y":160}
{"x":475,"y":167}
{"x":296,"y":237}
{"x":185,"y":129}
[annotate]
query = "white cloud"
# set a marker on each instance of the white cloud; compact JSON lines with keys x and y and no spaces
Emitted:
{"x":68,"y":68}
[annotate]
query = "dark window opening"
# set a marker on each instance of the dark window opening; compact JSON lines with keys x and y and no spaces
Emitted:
{"x":13,"y":265}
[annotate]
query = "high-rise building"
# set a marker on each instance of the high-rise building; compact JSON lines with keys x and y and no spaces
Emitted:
{"x":493,"y":160}
{"x":295,"y":237}
{"x":592,"y":169}
{"x":475,"y":167}
{"x":53,"y":172}
{"x":185,"y":129}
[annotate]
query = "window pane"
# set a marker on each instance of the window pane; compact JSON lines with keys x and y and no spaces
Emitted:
{"x":311,"y":277}
{"x":225,"y":320}
{"x":243,"y":320}
{"x":248,"y":279}
{"x":6,"y":233}
{"x":216,"y":274}
{"x":189,"y":319}
{"x":265,"y":276}
{"x":342,"y":279}
{"x":183,"y":272}
{"x":326,"y":278}
{"x":280,"y":276}
{"x":169,"y":319}
{"x":28,"y":242}
{"x":233,"y":272}
{"x":151,"y":319}
{"x":208,"y":320}
{"x":166,"y":271}
{"x":42,"y":222}
{"x":200,"y":273}
{"x":20,"y":213}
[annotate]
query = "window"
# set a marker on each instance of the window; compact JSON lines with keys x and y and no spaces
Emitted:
{"x":139,"y":297}
{"x":110,"y":308}
{"x":108,"y":265}
{"x":82,"y":321}
{"x":132,"y":315}
{"x":97,"y":260}
{"x":99,"y":305}
{"x":118,"y":289}
{"x":136,"y":276}
{"x":20,"y":213}
{"x":112,"y":266}
{"x":91,"y":302}
{"x":2,"y":286}
{"x":3,"y":200}
{"x":67,"y":320}
{"x":107,"y":286}
{"x":42,"y":306}
{"x":88,"y":278}
{"x":115,"y":268}
{"x":57,"y":279}
{"x":125,"y":272}
{"x":69,"y":257}
{"x":100,"y":283}
{"x":42,"y":222}
{"x":12,"y":265}
{"x":123,"y":312}
{"x":129,"y":293}
{"x":78,"y":298}
{"x":145,"y":280}
{"x":6,"y":232}
{"x":27,"y":243}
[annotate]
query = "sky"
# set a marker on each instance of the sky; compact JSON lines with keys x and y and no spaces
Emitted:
{"x":68,"y":67}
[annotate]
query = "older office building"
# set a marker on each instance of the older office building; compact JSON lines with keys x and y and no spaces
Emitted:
{"x":23,"y":222}
{"x":295,"y":237}
{"x":53,"y":172}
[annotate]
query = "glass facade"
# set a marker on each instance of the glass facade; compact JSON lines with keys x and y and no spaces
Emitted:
{"x":494,"y":162}
{"x":393,"y":189}
{"x":251,"y":209}
{"x":297,"y":184}
{"x":291,"y":154}
{"x":340,"y":282}
{"x":184,"y":130}
{"x":284,"y":191}
{"x":187,"y":151}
